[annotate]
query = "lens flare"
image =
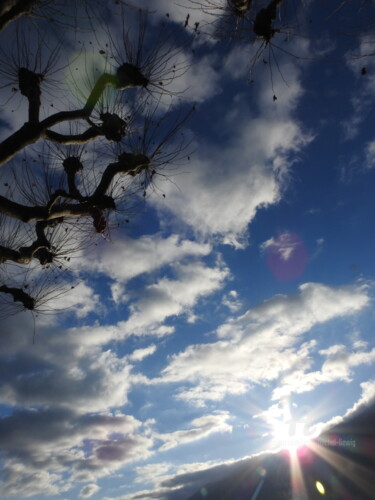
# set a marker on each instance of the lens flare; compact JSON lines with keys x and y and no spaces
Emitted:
{"x":320,"y":487}
{"x":287,"y":256}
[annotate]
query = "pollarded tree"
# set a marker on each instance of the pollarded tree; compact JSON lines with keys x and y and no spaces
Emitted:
{"x":263,"y":27}
{"x":85,"y":99}
{"x":270,"y":28}
{"x":90,"y":128}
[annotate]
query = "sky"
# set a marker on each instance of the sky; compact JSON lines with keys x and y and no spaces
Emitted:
{"x":238,"y":297}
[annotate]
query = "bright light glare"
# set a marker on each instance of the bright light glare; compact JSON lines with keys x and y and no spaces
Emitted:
{"x":320,"y":487}
{"x":289,"y":435}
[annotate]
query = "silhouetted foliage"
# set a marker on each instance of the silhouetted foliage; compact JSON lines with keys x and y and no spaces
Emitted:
{"x":89,"y":117}
{"x":90,"y":129}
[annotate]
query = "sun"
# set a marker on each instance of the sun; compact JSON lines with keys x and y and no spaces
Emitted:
{"x":289,"y":434}
{"x":293,"y":437}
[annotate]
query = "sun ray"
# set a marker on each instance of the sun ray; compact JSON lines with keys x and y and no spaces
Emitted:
{"x":359,"y":474}
{"x":296,"y":476}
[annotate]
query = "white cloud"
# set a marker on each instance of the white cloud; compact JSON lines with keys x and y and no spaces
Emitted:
{"x":284,"y":244}
{"x":23,"y":481}
{"x":338,"y":365}
{"x":126,"y":258}
{"x":236,"y":64}
{"x":65,"y":369}
{"x":201,"y":427}
{"x":226,"y":186}
{"x":142,"y":353}
{"x":171,"y":297}
{"x":180,"y":481}
{"x":370,"y":154}
{"x":90,"y":382}
{"x":148,"y":472}
{"x":81,"y":300}
{"x":232,"y":301}
{"x":72,"y":379}
{"x":367,"y":397}
{"x":177,"y":11}
{"x":200,"y":83}
{"x":39,"y":446}
{"x":89,"y":490}
{"x":262,"y":345}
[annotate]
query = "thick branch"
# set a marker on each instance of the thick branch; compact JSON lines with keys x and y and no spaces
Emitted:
{"x":131,"y":164}
{"x":73,"y":165}
{"x":87,"y":136}
{"x":34,"y":108}
{"x":31,"y":214}
{"x":22,"y":212}
{"x":30,"y":133}
{"x":263,"y":23}
{"x":13,"y":255}
{"x":19,"y":296}
{"x":7,"y":15}
{"x":56,"y":196}
{"x":63,"y":116}
{"x":38,"y":249}
{"x":128,"y":163}
{"x":29,"y":84}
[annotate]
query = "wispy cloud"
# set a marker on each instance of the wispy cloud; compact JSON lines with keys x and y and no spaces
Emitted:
{"x":126,"y":258}
{"x":261,"y":345}
{"x":89,"y":490}
{"x":338,"y":366}
{"x":370,"y":154}
{"x":200,"y":427}
{"x":170,"y":297}
{"x":142,"y":353}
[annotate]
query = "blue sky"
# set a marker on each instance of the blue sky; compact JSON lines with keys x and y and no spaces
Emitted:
{"x":240,"y":294}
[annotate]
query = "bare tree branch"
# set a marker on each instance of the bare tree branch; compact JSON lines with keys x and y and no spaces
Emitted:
{"x":98,"y":154}
{"x":87,"y":136}
{"x":39,"y":249}
{"x":128,"y":77}
{"x":19,"y":295}
{"x":11,"y":11}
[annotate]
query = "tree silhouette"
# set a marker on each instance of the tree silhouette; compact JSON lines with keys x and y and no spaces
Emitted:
{"x":89,"y":147}
{"x":267,"y":28}
{"x":90,"y":127}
